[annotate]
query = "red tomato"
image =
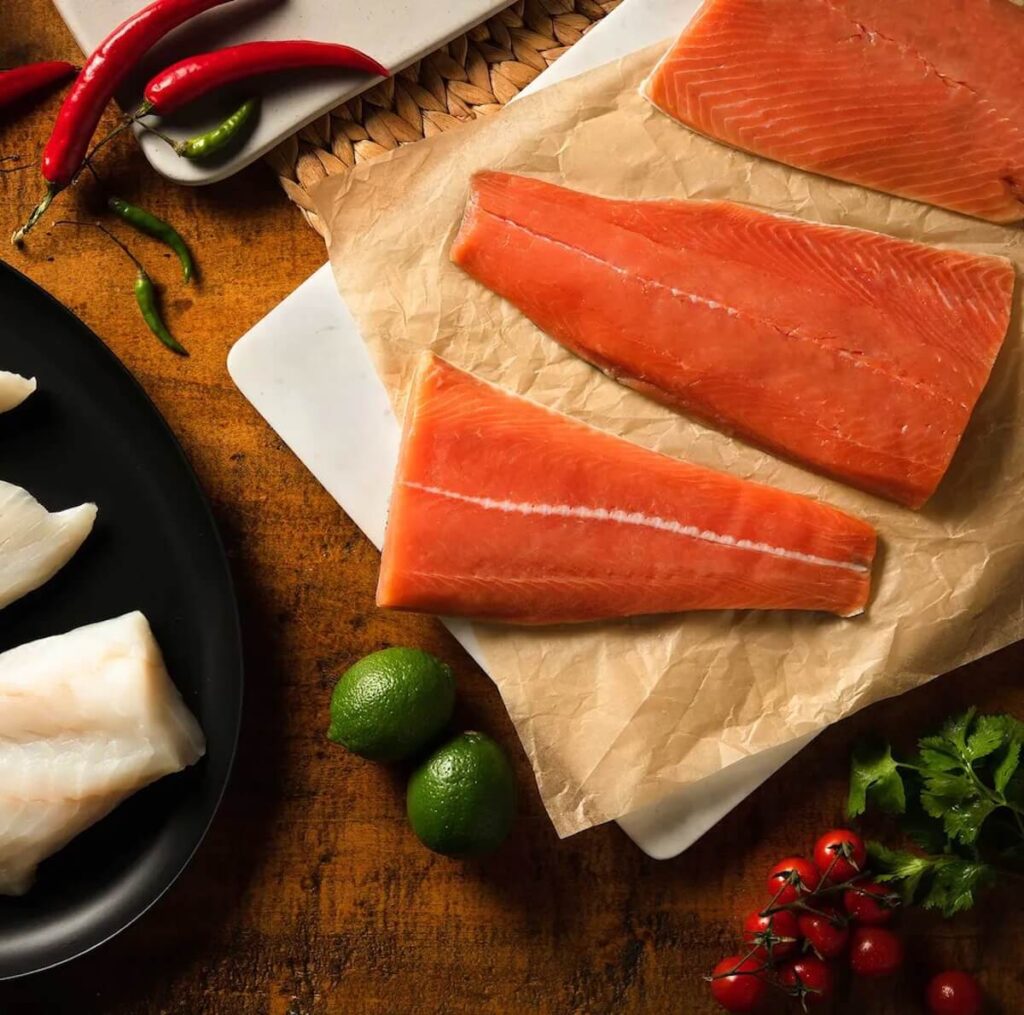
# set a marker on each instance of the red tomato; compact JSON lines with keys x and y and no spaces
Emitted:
{"x":870,"y":903}
{"x":791,"y":878}
{"x":827,"y":935}
{"x":954,"y":993}
{"x":809,"y":979}
{"x":774,"y":934}
{"x":875,"y":951}
{"x":736,"y":984}
{"x":840,"y":855}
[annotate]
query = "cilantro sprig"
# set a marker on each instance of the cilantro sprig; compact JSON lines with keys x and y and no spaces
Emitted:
{"x":961,"y":802}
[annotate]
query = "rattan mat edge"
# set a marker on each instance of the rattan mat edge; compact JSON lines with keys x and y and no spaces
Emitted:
{"x":472,"y":76}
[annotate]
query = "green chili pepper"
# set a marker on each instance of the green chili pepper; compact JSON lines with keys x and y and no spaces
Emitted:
{"x":145,"y":296}
{"x":145,"y":291}
{"x":149,"y":224}
{"x":204,"y":145}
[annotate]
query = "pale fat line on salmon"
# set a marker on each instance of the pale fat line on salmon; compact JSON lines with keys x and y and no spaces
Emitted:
{"x":704,"y":301}
{"x":635,"y":518}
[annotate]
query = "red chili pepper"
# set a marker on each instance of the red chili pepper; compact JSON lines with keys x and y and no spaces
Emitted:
{"x":21,"y":81}
{"x":95,"y":85}
{"x":196,"y":75}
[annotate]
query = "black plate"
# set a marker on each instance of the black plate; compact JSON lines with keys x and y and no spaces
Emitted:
{"x":90,"y":433}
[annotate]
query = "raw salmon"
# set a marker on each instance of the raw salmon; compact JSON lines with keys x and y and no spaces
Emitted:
{"x":506,"y":510}
{"x":919,"y":100}
{"x":859,"y":355}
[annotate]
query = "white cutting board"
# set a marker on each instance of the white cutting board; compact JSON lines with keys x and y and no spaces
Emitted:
{"x":395,"y":32}
{"x":307,"y":371}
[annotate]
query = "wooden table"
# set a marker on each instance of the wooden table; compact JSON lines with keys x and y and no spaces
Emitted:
{"x":311,"y":894}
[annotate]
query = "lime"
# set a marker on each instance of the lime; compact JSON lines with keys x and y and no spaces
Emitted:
{"x":462,"y":800}
{"x":391,"y":704}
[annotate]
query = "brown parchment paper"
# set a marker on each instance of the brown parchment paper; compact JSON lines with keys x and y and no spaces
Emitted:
{"x":616,"y":715}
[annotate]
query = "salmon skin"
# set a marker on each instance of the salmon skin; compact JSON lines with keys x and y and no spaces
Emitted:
{"x":856,"y":354}
{"x":919,"y":100}
{"x":505,"y":510}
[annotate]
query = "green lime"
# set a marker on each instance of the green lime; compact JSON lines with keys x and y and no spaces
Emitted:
{"x":391,"y":704}
{"x":462,"y":800}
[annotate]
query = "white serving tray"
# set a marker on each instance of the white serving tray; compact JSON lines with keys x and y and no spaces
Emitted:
{"x":307,"y":371}
{"x":395,"y":32}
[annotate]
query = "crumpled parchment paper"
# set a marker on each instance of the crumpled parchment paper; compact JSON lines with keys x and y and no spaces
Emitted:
{"x":616,"y":715}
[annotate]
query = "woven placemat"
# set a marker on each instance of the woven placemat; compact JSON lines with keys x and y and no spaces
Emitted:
{"x":475,"y":75}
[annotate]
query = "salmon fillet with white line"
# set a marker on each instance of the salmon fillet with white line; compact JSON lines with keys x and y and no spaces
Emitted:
{"x":918,"y":100}
{"x":505,"y":510}
{"x":856,"y":354}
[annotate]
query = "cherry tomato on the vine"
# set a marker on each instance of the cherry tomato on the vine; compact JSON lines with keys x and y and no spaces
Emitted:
{"x":737,"y":985}
{"x":870,"y":903}
{"x":791,"y":878}
{"x":809,"y":979}
{"x":875,"y":951}
{"x":954,"y":993}
{"x":827,"y":935}
{"x":774,"y":933}
{"x":840,"y":855}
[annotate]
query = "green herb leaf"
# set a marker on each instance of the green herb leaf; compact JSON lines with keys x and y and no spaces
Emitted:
{"x":1015,"y":788}
{"x":954,"y":883}
{"x":953,"y":787}
{"x":898,"y":867}
{"x":963,"y":823}
{"x":937,"y":754}
{"x":1005,"y":769}
{"x":946,"y":883}
{"x":989,"y":734}
{"x":965,"y":775}
{"x":955,"y":729}
{"x":1014,"y":728}
{"x":874,"y":773}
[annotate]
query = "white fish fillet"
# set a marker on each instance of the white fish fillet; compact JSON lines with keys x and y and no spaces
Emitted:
{"x":14,"y":389}
{"x":35,"y":544}
{"x":86,"y":719}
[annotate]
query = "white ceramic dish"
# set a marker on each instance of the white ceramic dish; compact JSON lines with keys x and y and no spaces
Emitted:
{"x":395,"y":32}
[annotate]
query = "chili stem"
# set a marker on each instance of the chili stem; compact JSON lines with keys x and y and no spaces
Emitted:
{"x":103,"y":229}
{"x":159,"y":133}
{"x":18,"y":237}
{"x":94,"y":151}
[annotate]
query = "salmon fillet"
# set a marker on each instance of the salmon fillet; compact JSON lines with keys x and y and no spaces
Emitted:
{"x":856,"y":354}
{"x":919,"y":100}
{"x":505,"y":510}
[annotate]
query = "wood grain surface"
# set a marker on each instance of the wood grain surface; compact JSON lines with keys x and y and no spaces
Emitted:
{"x":311,"y":894}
